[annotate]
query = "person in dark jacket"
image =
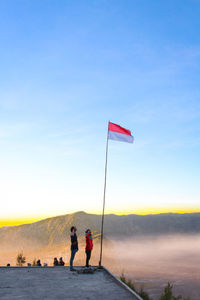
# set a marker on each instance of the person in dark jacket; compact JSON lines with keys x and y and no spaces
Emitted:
{"x":89,"y":246}
{"x":55,"y":261}
{"x":38,"y":263}
{"x":74,"y":246}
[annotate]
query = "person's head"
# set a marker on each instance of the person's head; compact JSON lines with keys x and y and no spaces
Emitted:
{"x":55,"y":258}
{"x":88,"y":231}
{"x":73,"y":229}
{"x":60,"y":258}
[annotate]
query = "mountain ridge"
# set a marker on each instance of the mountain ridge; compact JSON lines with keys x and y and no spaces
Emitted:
{"x":54,"y":231}
{"x":117,"y":215}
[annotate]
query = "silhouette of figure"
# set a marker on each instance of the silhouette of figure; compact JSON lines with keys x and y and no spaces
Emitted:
{"x":61,"y":262}
{"x":74,"y":246}
{"x":55,"y":261}
{"x":38,"y":263}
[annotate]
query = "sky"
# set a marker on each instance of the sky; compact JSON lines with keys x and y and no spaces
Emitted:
{"x":66,"y":68}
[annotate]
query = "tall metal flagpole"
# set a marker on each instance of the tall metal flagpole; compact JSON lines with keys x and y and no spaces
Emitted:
{"x":104,"y":197}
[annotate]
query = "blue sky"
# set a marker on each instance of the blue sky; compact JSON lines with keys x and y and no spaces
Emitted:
{"x":66,"y":68}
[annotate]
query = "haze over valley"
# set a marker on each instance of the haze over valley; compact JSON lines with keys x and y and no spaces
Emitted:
{"x":151,"y":250}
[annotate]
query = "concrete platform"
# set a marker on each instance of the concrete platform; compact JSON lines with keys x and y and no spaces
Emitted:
{"x":59,"y":283}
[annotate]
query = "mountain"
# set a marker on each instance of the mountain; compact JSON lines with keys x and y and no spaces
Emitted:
{"x":55,"y":231}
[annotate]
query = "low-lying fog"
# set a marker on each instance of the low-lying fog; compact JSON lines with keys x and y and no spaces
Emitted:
{"x":153,"y":261}
{"x":149,"y":261}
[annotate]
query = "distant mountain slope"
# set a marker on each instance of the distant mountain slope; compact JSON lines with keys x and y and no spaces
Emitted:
{"x":55,"y":230}
{"x":47,"y":232}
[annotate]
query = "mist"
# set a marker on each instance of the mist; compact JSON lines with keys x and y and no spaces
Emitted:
{"x":151,"y":262}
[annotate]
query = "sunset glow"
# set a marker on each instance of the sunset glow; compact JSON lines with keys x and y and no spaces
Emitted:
{"x":20,"y":221}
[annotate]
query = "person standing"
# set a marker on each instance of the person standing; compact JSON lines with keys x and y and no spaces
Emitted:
{"x":74,"y":246}
{"x":89,"y":246}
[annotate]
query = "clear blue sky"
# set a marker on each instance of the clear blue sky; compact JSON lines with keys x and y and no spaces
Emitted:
{"x":66,"y":68}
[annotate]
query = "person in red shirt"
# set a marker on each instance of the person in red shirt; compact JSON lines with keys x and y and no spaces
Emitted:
{"x":89,"y":246}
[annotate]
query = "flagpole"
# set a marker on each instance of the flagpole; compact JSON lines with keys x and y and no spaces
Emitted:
{"x":104,"y":197}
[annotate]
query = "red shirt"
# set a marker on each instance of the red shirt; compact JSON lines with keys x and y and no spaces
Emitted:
{"x":89,"y":243}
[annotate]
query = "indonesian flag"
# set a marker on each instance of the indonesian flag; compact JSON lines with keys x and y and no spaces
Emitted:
{"x":118,"y":133}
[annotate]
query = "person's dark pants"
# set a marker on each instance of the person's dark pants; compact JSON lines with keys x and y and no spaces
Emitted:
{"x":88,"y":255}
{"x":73,"y":252}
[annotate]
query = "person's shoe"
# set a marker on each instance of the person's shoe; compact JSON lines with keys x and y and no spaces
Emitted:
{"x":72,"y":269}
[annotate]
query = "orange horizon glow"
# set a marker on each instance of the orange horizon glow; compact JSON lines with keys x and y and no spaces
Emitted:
{"x":22,"y":220}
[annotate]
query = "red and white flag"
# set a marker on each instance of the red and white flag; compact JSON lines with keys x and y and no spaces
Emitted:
{"x":118,"y":133}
